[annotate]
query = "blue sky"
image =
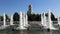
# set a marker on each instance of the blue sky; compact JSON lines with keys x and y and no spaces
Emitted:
{"x":39,"y":6}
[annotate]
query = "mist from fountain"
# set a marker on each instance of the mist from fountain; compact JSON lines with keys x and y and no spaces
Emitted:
{"x":46,"y":21}
{"x":22,"y":22}
{"x":58,"y":20}
{"x":4,"y":22}
{"x":11,"y":20}
{"x":50,"y":26}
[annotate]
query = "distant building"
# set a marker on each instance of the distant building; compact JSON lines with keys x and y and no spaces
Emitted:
{"x":30,"y":10}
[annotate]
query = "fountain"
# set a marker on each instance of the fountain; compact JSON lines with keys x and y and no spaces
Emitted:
{"x":43,"y":20}
{"x":46,"y":22}
{"x":50,"y":23}
{"x":59,"y":20}
{"x":22,"y":22}
{"x":4,"y":22}
{"x":25,"y":20}
{"x":11,"y":20}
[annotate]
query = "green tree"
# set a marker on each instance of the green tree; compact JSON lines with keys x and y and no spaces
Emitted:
{"x":34,"y":17}
{"x":16,"y":17}
{"x":1,"y":18}
{"x":52,"y":17}
{"x":37,"y":17}
{"x":7,"y":17}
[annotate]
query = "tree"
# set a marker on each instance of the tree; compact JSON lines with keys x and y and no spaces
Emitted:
{"x":16,"y":17}
{"x":37,"y":17}
{"x":1,"y":18}
{"x":7,"y":17}
{"x":34,"y":17}
{"x":52,"y":17}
